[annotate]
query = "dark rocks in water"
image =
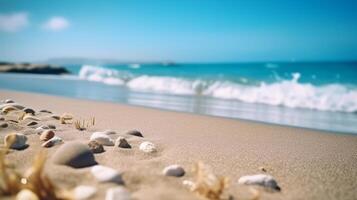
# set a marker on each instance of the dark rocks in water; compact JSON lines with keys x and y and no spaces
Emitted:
{"x":29,"y":110}
{"x":74,"y":154}
{"x":95,"y":147}
{"x":32,"y":68}
{"x":4,"y":125}
{"x":135,"y":133}
{"x":31,"y":123}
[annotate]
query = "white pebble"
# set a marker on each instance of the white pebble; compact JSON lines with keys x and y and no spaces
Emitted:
{"x":83,"y":192}
{"x":259,"y":179}
{"x":102,"y":139}
{"x":174,"y":170}
{"x":26,"y":194}
{"x":117,"y":193}
{"x":106,"y":174}
{"x":147,"y":147}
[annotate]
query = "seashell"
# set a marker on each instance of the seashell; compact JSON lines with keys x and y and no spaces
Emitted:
{"x":29,"y":111}
{"x":74,"y":154}
{"x":7,"y":109}
{"x":106,"y":174}
{"x":117,"y":193}
{"x":260,"y":179}
{"x":31,"y":123}
{"x":30,"y":117}
{"x":15,"y":141}
{"x":122,"y":143}
{"x":174,"y":170}
{"x":4,"y":125}
{"x":134,"y":133}
{"x":147,"y":147}
{"x":102,"y":138}
{"x":83,"y":192}
{"x":52,"y":142}
{"x":47,"y":135}
{"x":26,"y":194}
{"x":95,"y":147}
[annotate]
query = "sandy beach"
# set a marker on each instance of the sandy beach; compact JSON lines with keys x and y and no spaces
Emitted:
{"x":307,"y":164}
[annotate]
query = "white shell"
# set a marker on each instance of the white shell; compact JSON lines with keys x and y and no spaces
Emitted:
{"x":20,"y":141}
{"x":174,"y":170}
{"x":259,"y":179}
{"x":53,"y":141}
{"x":106,"y":174}
{"x":117,"y":193}
{"x":26,"y":194}
{"x":147,"y":147}
{"x":83,"y":192}
{"x":102,"y":138}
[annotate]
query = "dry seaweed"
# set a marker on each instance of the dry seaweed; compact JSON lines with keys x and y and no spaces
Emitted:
{"x":84,"y":124}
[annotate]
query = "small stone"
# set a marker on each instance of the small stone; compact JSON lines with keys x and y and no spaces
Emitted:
{"x":29,"y":110}
{"x":52,"y":142}
{"x":30,"y":117}
{"x":47,"y":135}
{"x":134,"y":133}
{"x":56,"y":117}
{"x":95,"y":147}
{"x":174,"y":170}
{"x":262,"y":169}
{"x":122,"y":143}
{"x":2,"y":119}
{"x":109,"y":132}
{"x":117,"y":193}
{"x":147,"y":147}
{"x":51,"y":126}
{"x":106,"y":174}
{"x":26,"y":194}
{"x":46,"y":111}
{"x":74,"y":154}
{"x":260,"y":179}
{"x":83,"y":192}
{"x":31,"y":123}
{"x":9,"y":101}
{"x":4,"y":125}
{"x":102,"y":138}
{"x":14,"y":121}
{"x":15,"y":141}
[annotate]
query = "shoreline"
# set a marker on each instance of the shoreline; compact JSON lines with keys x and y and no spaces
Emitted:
{"x":307,"y":164}
{"x":187,"y":112}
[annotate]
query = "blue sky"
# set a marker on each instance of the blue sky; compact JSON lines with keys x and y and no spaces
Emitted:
{"x":183,"y":31}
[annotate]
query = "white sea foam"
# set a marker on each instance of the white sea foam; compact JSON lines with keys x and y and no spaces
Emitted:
{"x":288,"y":93}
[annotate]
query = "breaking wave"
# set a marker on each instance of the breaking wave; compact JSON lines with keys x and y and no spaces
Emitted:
{"x":288,"y":93}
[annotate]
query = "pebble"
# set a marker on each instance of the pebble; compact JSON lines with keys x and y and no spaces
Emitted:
{"x":31,"y":123}
{"x":106,"y":174}
{"x":52,"y":142}
{"x":4,"y":125}
{"x":29,"y":117}
{"x":134,"y":133}
{"x":29,"y":110}
{"x":26,"y":194}
{"x":74,"y":154}
{"x":174,"y":170}
{"x":56,"y":117}
{"x":95,"y":147}
{"x":46,"y":111}
{"x":147,"y":147}
{"x":9,"y":101}
{"x":2,"y":119}
{"x":117,"y":193}
{"x":18,"y":139}
{"x":47,"y":135}
{"x":83,"y":192}
{"x":260,"y":179}
{"x":51,"y":126}
{"x":15,"y":105}
{"x":122,"y":143}
{"x":102,"y":138}
{"x":109,"y":132}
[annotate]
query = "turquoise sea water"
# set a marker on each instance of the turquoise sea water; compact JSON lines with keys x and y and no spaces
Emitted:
{"x":319,"y":95}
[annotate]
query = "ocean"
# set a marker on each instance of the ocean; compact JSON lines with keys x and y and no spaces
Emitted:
{"x":316,"y":95}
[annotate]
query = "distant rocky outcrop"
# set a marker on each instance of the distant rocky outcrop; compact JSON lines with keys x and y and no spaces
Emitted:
{"x":31,"y":68}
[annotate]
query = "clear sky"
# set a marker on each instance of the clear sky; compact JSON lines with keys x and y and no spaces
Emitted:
{"x":182,"y":30}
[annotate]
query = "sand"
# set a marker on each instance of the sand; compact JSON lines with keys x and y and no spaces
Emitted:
{"x":307,"y":164}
